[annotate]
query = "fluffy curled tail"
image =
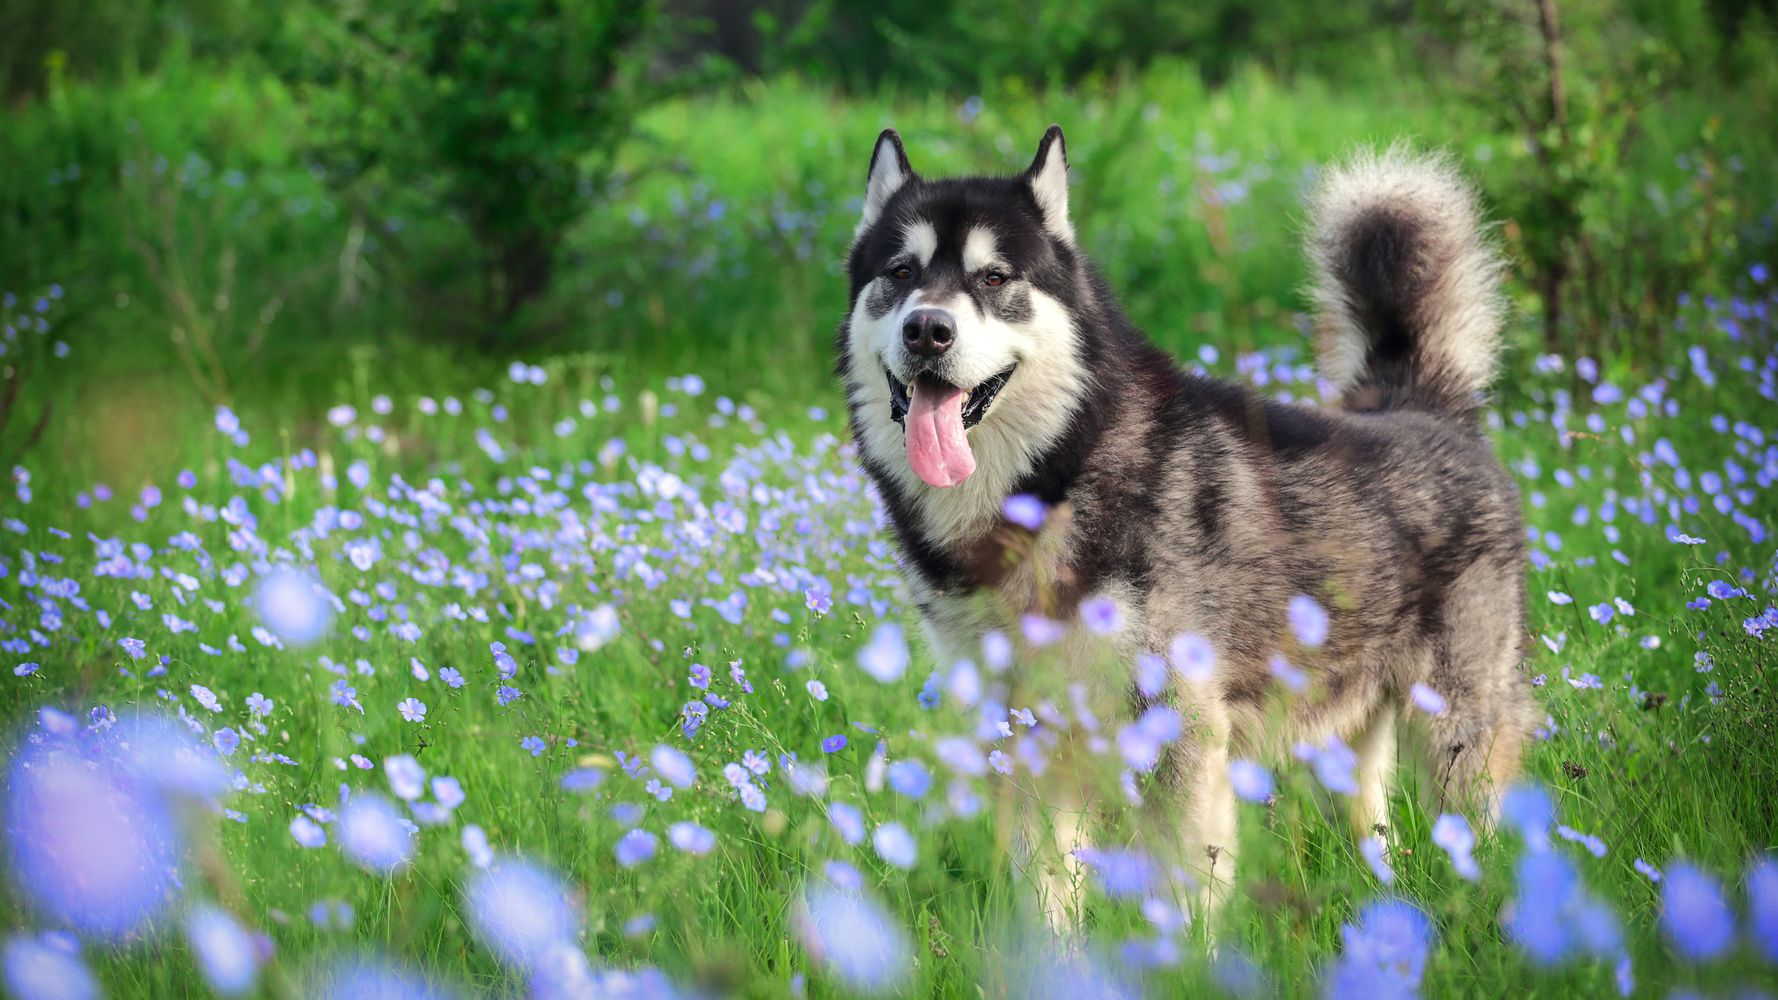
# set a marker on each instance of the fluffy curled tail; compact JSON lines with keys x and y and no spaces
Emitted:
{"x":1406,"y":283}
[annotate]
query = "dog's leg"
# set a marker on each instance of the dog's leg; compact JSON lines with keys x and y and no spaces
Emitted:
{"x":1375,"y":749}
{"x":1208,"y":811}
{"x":1476,"y":743}
{"x":1045,"y":859}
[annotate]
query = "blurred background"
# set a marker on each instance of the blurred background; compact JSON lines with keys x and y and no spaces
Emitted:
{"x":269,"y":206}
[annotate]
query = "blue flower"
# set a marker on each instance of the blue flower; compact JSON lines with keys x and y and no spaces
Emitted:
{"x":834,"y":743}
{"x":1024,"y":510}
{"x":1697,"y":921}
{"x":47,"y":967}
{"x":227,"y":741}
{"x":1762,"y":907}
{"x":307,"y":832}
{"x":847,"y":820}
{"x":1251,"y":781}
{"x":533,"y":745}
{"x":851,"y":935}
{"x":374,"y":833}
{"x":673,"y":765}
{"x":635,"y":847}
{"x":90,"y":847}
{"x":885,"y":656}
{"x":522,"y":911}
{"x":691,"y":838}
{"x":895,"y":845}
{"x":1384,"y":952}
{"x":1308,"y":620}
{"x":910,"y":778}
{"x":226,"y":953}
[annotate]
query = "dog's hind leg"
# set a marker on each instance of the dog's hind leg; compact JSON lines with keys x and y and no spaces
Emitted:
{"x":1475,"y":744}
{"x":1045,"y":860}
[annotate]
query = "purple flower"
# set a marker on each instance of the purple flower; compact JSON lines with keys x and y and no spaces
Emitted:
{"x":834,"y":743}
{"x":1308,"y":620}
{"x":451,"y":676}
{"x":407,"y":779}
{"x":635,"y":847}
{"x":412,"y":709}
{"x":1452,"y":833}
{"x":1427,"y":700}
{"x":1762,"y":907}
{"x":47,"y":967}
{"x":226,"y":953}
{"x":307,"y":832}
{"x":700,"y":676}
{"x":1697,"y":921}
{"x":673,"y":765}
{"x":1385,"y":952}
{"x":291,"y":604}
{"x":816,"y":689}
{"x":910,"y":778}
{"x":374,"y":834}
{"x":818,"y":598}
{"x":853,"y":937}
{"x":1040,"y":631}
{"x":847,"y":820}
{"x":691,"y":838}
{"x":895,"y":845}
{"x":1101,"y":616}
{"x":1024,"y":510}
{"x":1192,"y":657}
{"x":522,"y":911}
{"x":227,"y":741}
{"x":885,"y":656}
{"x":1251,"y":781}
{"x":90,"y":846}
{"x":1372,"y":848}
{"x":533,"y":745}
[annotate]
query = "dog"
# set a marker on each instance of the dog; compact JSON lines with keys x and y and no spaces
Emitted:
{"x":984,"y":357}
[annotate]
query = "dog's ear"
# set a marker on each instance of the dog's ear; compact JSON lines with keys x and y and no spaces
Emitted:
{"x":1048,"y":177}
{"x":889,"y":170}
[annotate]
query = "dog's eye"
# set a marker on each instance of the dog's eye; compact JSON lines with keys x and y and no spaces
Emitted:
{"x":902,"y":273}
{"x":993,"y":279}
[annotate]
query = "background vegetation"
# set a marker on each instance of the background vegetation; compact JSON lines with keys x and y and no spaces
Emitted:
{"x":283,"y":209}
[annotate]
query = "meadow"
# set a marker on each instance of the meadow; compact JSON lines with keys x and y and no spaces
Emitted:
{"x":391,"y":669}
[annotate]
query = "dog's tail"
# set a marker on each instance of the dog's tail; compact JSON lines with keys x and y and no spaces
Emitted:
{"x":1406,"y":283}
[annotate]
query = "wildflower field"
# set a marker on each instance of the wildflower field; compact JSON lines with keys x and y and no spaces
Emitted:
{"x":342,"y":661}
{"x":576,"y":688}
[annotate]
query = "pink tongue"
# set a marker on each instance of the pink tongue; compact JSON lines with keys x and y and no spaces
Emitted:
{"x":937,"y":447}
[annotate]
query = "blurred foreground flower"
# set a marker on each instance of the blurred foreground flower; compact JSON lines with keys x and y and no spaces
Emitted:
{"x":853,"y":937}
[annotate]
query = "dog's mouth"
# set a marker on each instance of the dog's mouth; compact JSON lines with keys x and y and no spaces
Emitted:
{"x":934,"y":414}
{"x":974,"y":408}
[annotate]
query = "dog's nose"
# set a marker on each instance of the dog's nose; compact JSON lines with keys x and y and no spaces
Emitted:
{"x":928,"y":333}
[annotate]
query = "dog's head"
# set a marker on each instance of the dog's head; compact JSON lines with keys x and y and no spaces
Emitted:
{"x":959,"y":329}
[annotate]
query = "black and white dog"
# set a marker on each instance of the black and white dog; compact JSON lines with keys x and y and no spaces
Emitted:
{"x":983,"y":357}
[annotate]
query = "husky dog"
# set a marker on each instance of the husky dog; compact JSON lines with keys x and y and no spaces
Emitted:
{"x":984,"y":357}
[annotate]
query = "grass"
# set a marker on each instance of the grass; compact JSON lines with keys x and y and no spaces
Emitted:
{"x":1661,"y":761}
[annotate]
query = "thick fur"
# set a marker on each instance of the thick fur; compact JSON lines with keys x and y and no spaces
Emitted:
{"x":1200,"y":506}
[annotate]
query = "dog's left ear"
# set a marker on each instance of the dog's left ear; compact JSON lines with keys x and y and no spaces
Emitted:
{"x":1048,"y":177}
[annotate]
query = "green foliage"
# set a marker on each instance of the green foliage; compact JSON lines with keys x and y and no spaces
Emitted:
{"x":978,"y":44}
{"x":500,"y":117}
{"x":1617,"y":207}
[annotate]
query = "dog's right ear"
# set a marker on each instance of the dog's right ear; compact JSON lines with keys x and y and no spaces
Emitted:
{"x":889,"y":170}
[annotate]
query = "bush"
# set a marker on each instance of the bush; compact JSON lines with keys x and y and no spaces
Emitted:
{"x":498,"y":117}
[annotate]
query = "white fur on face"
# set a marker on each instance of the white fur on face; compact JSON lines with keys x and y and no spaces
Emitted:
{"x":1050,"y":185}
{"x":980,"y":250}
{"x":1026,"y":419}
{"x":920,"y":241}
